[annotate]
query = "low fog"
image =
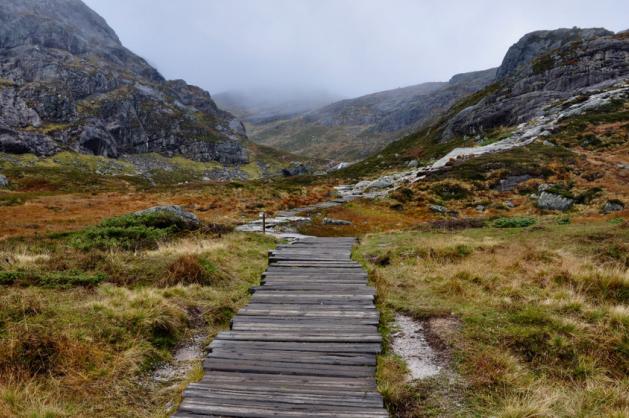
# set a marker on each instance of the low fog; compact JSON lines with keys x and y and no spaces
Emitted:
{"x":342,"y":47}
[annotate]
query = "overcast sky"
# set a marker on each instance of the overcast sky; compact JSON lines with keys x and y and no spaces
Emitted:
{"x":346,"y":47}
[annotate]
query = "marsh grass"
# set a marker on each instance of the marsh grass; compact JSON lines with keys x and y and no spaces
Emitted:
{"x":543,"y":318}
{"x":77,"y":351}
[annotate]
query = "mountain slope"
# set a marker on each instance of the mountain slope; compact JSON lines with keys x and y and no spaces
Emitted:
{"x":67,"y":83}
{"x":545,"y":77}
{"x":355,"y":128}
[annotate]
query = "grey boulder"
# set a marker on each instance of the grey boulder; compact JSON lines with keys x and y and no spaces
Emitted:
{"x":438,"y":209}
{"x":189,"y":218}
{"x":552,"y":201}
{"x":4,"y":182}
{"x":613,"y":206}
{"x":381,"y":183}
{"x":330,"y":221}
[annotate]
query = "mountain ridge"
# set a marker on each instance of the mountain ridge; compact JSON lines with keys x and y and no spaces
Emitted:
{"x":354,"y":128}
{"x":529,"y":101}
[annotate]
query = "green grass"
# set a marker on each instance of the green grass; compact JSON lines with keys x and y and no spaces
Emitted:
{"x":129,"y":232}
{"x":50,"y":279}
{"x":513,"y":222}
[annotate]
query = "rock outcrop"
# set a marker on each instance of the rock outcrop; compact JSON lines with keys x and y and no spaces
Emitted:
{"x":540,"y":69}
{"x":613,"y":206}
{"x":552,"y":201}
{"x":67,"y":83}
{"x":188,"y":219}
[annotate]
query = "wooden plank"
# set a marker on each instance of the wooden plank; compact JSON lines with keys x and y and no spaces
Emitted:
{"x":282,"y":397}
{"x":337,"y":347}
{"x":295,"y":388}
{"x":300,"y":336}
{"x":311,"y":357}
{"x":261,"y":380}
{"x":288,"y":368}
{"x":254,"y":409}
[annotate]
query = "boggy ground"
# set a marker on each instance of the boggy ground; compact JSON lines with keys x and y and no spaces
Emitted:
{"x":82,"y":329}
{"x":90,"y":305}
{"x":528,"y":307}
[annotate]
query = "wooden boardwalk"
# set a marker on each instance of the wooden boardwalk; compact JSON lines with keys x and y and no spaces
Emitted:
{"x":305,"y":346}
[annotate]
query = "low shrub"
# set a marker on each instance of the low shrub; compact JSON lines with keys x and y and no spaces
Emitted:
{"x":564,"y":220}
{"x":403,"y":194}
{"x":450,"y":191}
{"x":513,"y":222}
{"x":129,"y":232}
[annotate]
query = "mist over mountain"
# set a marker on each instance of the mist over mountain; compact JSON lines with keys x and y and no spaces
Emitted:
{"x":268,"y":104}
{"x":355,"y":128}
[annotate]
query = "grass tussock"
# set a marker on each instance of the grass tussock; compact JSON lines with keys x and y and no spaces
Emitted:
{"x":67,"y":349}
{"x":543,"y":319}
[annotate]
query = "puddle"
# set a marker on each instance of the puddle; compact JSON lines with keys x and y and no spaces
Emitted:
{"x":183,"y":361}
{"x":410,"y":343}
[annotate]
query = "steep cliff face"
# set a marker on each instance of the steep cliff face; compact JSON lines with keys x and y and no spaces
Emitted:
{"x":544,"y":67}
{"x":67,"y":83}
{"x":355,"y":128}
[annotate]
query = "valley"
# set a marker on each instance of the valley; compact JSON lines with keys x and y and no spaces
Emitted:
{"x":487,"y":215}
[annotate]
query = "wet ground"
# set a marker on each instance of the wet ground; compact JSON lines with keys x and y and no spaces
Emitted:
{"x":183,"y":361}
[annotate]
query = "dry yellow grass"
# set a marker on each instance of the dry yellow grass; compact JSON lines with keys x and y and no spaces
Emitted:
{"x":543,"y":313}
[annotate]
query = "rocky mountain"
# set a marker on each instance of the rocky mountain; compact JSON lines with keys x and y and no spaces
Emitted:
{"x":541,"y":68}
{"x":259,"y":105}
{"x":355,"y":128}
{"x":67,"y":83}
{"x":548,"y":83}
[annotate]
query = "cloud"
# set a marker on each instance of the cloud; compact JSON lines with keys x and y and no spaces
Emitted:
{"x":347,"y":47}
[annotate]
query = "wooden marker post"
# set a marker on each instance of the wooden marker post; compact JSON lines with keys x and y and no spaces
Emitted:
{"x":263,"y":216}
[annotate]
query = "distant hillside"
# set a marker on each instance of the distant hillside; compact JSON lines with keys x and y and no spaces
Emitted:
{"x":541,"y":85}
{"x":353,"y":129}
{"x":257,"y":106}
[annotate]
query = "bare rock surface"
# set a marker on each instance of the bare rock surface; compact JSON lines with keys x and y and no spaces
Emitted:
{"x":552,"y":201}
{"x":67,"y":83}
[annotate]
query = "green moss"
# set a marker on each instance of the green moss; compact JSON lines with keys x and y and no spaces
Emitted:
{"x":543,"y":63}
